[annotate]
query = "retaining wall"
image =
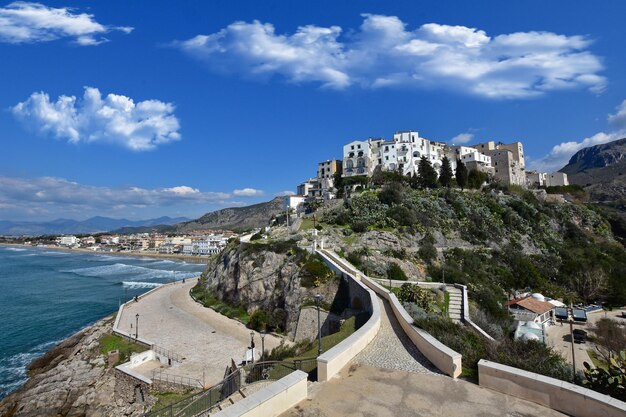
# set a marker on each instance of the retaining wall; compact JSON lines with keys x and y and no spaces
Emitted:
{"x":333,"y":360}
{"x":272,"y":400}
{"x":559,"y":395}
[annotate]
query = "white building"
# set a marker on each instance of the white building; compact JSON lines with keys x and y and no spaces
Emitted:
{"x":360,"y":157}
{"x":557,"y":179}
{"x":204,"y":246}
{"x":69,"y":240}
{"x":543,"y":179}
{"x":472,"y":158}
{"x":294,"y":202}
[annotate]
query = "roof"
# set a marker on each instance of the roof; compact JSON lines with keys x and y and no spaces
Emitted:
{"x":536,"y":306}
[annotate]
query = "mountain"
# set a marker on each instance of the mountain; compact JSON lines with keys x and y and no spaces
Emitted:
{"x":601,"y":169}
{"x":236,"y":218}
{"x":68,"y":226}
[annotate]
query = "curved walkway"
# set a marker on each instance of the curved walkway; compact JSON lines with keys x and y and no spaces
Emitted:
{"x":207,"y":340}
{"x":392,"y":348}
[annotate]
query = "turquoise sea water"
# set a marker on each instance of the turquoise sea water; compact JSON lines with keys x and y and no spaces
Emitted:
{"x":46,"y":295}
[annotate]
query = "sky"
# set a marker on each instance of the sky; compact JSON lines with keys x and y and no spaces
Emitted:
{"x":149,"y":108}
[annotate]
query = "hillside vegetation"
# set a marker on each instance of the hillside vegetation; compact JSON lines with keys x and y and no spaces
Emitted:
{"x":494,"y":240}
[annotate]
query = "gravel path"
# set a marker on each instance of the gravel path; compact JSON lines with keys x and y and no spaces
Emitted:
{"x":392,"y":348}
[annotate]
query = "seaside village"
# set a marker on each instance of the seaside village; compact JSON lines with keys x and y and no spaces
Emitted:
{"x":196,"y":243}
{"x":402,"y":154}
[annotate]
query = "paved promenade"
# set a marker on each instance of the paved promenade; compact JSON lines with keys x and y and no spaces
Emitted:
{"x":170,"y":318}
{"x":362,"y":391}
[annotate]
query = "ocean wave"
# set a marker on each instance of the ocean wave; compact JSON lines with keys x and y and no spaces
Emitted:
{"x":12,"y":249}
{"x":57,"y":253}
{"x":134,"y":271}
{"x":136,"y":284}
{"x":13,"y":368}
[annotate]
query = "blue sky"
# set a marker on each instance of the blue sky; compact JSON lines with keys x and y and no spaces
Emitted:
{"x":148,"y":108}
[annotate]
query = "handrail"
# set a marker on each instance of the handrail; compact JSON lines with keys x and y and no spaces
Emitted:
{"x":167,"y":353}
{"x":159,"y":375}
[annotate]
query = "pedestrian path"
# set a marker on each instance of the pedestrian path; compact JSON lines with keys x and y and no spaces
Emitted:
{"x":392,"y":348}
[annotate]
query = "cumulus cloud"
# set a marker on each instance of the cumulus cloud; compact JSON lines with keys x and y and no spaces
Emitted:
{"x":38,"y":196}
{"x":115,"y":119}
{"x":25,"y":22}
{"x":248,"y":192}
{"x":619,"y":118}
{"x":462,"y":139}
{"x":284,"y":193}
{"x":383,"y":52}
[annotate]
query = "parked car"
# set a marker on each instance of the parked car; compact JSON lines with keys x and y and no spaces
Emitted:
{"x":580,"y":336}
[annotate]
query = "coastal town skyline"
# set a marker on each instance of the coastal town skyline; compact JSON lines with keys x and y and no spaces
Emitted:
{"x":178,"y":110}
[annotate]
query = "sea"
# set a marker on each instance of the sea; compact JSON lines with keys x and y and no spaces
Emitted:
{"x":47,"y":295}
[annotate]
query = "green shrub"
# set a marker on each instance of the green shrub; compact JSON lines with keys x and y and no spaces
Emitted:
{"x":259,"y":320}
{"x":394,"y":272}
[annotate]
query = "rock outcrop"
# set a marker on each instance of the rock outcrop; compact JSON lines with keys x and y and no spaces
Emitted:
{"x":73,"y":380}
{"x":265,"y":276}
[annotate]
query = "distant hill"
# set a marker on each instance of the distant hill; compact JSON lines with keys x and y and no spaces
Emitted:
{"x":601,"y":169}
{"x":68,"y":226}
{"x":236,"y":218}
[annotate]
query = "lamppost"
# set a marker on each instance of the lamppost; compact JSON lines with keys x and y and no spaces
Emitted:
{"x":570,"y":314}
{"x":252,"y":345}
{"x":263,"y":333}
{"x":136,"y":326}
{"x":318,"y":299}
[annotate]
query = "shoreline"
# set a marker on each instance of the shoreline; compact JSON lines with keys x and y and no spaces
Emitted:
{"x":185,"y":258}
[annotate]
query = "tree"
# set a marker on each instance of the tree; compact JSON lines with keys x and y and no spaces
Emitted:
{"x":610,"y":337}
{"x":445,"y":177}
{"x":338,"y":183}
{"x":475,"y":179}
{"x":391,"y":194}
{"x":461,"y":174}
{"x":426,"y":175}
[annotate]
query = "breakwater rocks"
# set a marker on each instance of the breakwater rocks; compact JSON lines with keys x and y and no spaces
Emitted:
{"x":73,"y":379}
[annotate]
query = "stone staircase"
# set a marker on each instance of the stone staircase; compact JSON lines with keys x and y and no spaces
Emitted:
{"x":455,"y":308}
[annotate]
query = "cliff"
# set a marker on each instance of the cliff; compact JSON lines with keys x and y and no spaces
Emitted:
{"x":73,"y":380}
{"x":276,"y":277}
{"x":601,"y":169}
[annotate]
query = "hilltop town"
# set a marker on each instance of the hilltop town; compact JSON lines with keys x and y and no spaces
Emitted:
{"x":403,"y":155}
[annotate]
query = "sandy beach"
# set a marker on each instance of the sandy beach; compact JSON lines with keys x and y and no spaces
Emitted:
{"x":193,"y":259}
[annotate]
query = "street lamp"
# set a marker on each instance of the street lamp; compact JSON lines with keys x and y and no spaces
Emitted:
{"x":136,"y":326}
{"x":571,"y":314}
{"x":252,"y":345}
{"x":318,"y":299}
{"x":263,"y":345}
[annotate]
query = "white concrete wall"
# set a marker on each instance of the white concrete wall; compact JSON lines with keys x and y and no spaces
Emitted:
{"x":559,"y":395}
{"x":137,"y":359}
{"x":333,"y":360}
{"x":272,"y":400}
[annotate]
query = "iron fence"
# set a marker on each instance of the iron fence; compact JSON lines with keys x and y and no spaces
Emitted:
{"x":185,"y":381}
{"x":205,"y":402}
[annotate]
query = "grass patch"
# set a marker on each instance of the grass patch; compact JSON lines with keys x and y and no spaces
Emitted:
{"x":201,"y":294}
{"x":126,"y":347}
{"x":166,"y":398}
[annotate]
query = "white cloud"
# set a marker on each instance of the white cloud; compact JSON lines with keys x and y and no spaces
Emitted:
{"x":115,"y":119}
{"x":462,"y":139}
{"x":384,"y":53}
{"x":25,"y":22}
{"x":619,"y":118}
{"x":560,"y":154}
{"x":57,"y":197}
{"x":248,"y":192}
{"x":284,"y":193}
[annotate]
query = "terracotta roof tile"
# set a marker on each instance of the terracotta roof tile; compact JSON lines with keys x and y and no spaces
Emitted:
{"x":536,"y":306}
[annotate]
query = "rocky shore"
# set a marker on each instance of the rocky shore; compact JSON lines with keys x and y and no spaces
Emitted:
{"x":73,"y":379}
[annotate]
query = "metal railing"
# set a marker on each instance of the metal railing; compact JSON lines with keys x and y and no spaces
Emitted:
{"x":184,"y":381}
{"x":167,"y":353}
{"x":208,"y":400}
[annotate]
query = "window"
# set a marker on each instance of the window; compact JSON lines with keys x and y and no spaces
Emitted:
{"x":386,"y":148}
{"x":386,"y":158}
{"x":358,"y":146}
{"x":352,"y":147}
